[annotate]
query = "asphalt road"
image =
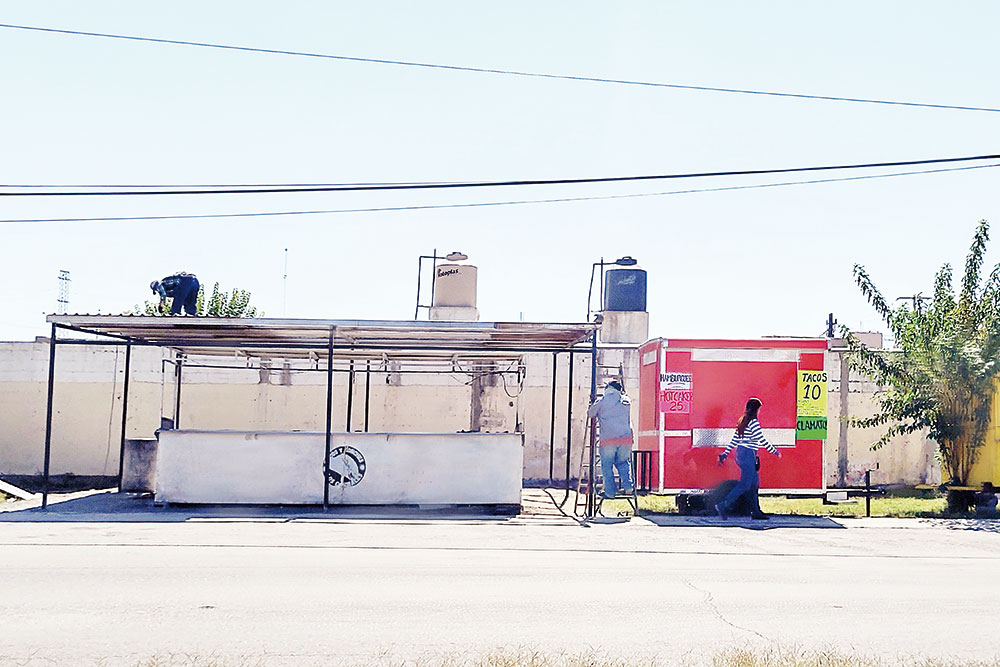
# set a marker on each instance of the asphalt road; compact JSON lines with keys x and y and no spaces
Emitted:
{"x":97,"y":590}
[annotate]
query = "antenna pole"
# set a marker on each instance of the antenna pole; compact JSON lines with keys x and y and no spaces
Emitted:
{"x":284,"y":288}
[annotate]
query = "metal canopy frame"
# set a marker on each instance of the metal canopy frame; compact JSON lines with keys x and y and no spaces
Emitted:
{"x":353,"y":340}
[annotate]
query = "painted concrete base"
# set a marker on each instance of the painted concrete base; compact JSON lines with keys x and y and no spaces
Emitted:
{"x":243,"y":467}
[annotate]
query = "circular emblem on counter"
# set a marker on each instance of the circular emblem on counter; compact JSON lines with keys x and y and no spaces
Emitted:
{"x":347,"y":466}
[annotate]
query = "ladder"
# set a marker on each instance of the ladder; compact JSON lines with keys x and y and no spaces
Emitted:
{"x":587,"y":474}
{"x":591,"y":475}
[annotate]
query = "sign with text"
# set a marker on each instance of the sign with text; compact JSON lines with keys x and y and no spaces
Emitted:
{"x":810,"y":423}
{"x":675,"y":393}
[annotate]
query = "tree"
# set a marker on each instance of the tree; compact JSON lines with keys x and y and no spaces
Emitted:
{"x":943,"y":375}
{"x":220,"y":304}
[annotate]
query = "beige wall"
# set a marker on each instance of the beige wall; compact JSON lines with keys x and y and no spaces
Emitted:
{"x":88,"y":399}
{"x":88,"y":395}
{"x":905,"y":460}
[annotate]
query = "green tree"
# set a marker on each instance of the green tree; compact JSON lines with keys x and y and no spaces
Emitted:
{"x":942,"y":376}
{"x":220,"y":304}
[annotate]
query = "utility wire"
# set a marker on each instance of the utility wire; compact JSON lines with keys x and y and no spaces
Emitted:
{"x":492,"y":184}
{"x":381,"y":209}
{"x":489,"y":70}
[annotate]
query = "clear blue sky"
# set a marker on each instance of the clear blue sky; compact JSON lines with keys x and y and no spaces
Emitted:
{"x":725,"y":264}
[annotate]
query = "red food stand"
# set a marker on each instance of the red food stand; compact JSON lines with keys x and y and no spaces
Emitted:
{"x":693,"y":391}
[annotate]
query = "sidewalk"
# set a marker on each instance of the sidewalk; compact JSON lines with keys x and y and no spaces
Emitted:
{"x":540,"y":507}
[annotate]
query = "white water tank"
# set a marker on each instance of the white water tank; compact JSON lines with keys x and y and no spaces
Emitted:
{"x":455,"y":286}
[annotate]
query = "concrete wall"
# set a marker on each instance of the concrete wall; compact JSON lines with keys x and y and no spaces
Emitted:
{"x":88,"y":400}
{"x":906,"y":460}
{"x":88,"y":395}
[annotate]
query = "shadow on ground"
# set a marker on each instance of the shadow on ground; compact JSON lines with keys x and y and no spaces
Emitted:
{"x":745,"y":522}
{"x":113,"y":507}
{"x":980,"y":525}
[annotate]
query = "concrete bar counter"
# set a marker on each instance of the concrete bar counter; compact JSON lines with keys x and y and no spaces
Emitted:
{"x":286,"y":467}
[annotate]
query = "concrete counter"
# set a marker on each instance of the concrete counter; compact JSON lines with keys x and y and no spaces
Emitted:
{"x":286,"y":467}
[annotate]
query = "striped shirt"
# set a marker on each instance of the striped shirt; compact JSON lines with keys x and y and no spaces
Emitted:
{"x":752,"y":438}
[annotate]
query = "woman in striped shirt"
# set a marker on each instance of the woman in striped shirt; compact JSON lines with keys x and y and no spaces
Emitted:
{"x":747,"y":440}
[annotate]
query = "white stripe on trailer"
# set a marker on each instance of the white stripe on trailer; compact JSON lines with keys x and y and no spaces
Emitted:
{"x":735,"y":354}
{"x":720,"y":437}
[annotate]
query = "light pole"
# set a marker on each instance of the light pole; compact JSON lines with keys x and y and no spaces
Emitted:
{"x":916,"y":299}
{"x":627,"y":260}
{"x":451,"y":257}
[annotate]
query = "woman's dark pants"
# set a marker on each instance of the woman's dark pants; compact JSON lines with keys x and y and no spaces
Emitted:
{"x":749,"y":483}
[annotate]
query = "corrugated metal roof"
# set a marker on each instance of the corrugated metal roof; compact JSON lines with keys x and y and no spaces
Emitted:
{"x":271,"y":337}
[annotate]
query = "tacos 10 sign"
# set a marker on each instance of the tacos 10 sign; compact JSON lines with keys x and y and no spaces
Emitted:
{"x":810,"y":422}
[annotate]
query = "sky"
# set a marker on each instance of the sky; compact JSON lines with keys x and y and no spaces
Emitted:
{"x":737,"y":263}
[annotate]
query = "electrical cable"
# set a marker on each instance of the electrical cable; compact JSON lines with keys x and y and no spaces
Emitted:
{"x":494,"y":184}
{"x":381,"y":209}
{"x":507,"y":72}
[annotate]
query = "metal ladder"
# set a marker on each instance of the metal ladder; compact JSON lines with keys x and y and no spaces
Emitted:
{"x":594,"y":474}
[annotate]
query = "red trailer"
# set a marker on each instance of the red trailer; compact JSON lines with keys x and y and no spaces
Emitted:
{"x":692,"y":393}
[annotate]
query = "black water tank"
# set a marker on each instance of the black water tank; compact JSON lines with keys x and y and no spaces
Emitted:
{"x":625,"y":289}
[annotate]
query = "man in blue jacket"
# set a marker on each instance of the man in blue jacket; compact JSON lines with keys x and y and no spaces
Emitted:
{"x":183,"y":287}
{"x":612,"y":413}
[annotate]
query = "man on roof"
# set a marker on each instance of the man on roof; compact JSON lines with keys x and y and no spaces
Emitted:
{"x":183,"y":288}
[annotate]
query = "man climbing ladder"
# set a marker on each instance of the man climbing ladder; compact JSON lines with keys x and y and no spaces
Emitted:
{"x":615,"y":428}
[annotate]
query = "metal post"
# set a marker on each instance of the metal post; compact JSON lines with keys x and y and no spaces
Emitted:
{"x":177,"y":390}
{"x":48,"y":417}
{"x":329,"y":420}
{"x":420,"y":265}
{"x":592,"y":487}
{"x":434,"y":268}
{"x":350,"y":394}
{"x":601,"y":305}
{"x":552,"y":420}
{"x":121,"y":449}
{"x":368,"y":389}
{"x":569,"y":422}
{"x":868,"y":493}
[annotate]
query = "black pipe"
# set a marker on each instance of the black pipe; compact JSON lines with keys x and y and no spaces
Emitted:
{"x":368,"y":389}
{"x":189,"y":345}
{"x":177,"y":390}
{"x":121,"y":449}
{"x":329,"y":420}
{"x":569,"y":423}
{"x":416,"y":311}
{"x":70,"y":327}
{"x":592,"y":486}
{"x":434,"y":266}
{"x":552,"y":420}
{"x":350,"y":395}
{"x":868,"y":493}
{"x":48,"y":417}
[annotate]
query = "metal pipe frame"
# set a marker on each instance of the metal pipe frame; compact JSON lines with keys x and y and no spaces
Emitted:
{"x":121,"y":449}
{"x":129,"y":343}
{"x":48,"y":418}
{"x":192,"y":348}
{"x":329,"y":420}
{"x":402,"y":371}
{"x":368,"y":389}
{"x":552,"y":420}
{"x":420,"y":267}
{"x":350,"y":395}
{"x":178,"y":367}
{"x":592,"y":487}
{"x":569,"y":426}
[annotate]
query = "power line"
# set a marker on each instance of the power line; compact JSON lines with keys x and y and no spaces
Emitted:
{"x":382,"y":209}
{"x":507,"y":72}
{"x":491,"y":184}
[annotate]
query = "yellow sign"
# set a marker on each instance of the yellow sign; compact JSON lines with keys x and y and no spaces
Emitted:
{"x":811,"y":387}
{"x":810,"y":423}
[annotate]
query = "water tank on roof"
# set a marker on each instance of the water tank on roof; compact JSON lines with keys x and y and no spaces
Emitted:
{"x":455,"y":286}
{"x":625,"y":289}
